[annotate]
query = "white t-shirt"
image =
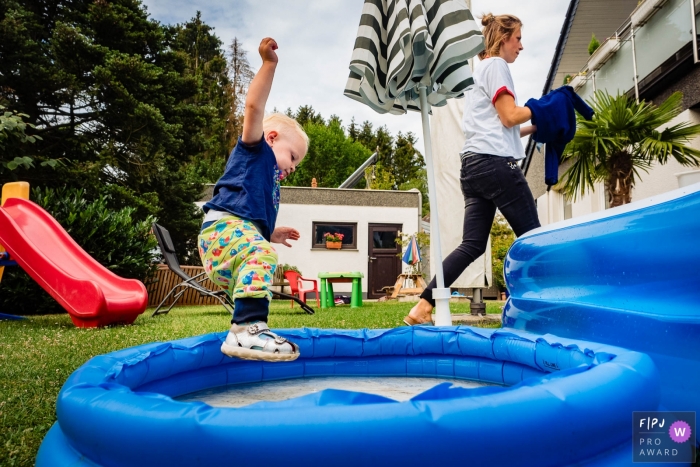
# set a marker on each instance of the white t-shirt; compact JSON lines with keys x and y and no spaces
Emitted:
{"x":484,"y":131}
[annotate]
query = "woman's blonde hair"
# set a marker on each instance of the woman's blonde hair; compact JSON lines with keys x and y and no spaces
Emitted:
{"x":496,"y":30}
{"x":284,"y":125}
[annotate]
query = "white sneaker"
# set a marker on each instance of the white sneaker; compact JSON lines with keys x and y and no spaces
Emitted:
{"x":257,"y":342}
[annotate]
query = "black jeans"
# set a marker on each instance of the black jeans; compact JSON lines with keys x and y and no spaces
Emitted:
{"x":488,"y":182}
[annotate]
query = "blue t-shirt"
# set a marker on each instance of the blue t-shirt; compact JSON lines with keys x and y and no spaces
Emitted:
{"x":250,"y":186}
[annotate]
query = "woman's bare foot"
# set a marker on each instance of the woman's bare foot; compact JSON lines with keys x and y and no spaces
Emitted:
{"x":421,"y":313}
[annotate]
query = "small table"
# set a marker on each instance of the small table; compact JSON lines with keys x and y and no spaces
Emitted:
{"x":329,"y":278}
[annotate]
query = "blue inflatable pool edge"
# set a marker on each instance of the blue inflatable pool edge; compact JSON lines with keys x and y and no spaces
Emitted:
{"x":549,"y":394}
{"x":626,"y":276}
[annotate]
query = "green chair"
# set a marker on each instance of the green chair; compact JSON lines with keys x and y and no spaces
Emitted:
{"x":329,"y":278}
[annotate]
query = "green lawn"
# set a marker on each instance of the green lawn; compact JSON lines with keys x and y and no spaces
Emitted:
{"x":39,"y":353}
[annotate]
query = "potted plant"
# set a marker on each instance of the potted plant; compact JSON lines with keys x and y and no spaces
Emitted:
{"x":334,"y":241}
{"x":289,"y":267}
{"x":279,"y":280}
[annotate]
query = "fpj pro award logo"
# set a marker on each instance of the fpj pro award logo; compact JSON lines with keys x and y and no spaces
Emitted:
{"x":664,"y":436}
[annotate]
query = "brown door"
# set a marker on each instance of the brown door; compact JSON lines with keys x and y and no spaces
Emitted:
{"x":383,"y":256}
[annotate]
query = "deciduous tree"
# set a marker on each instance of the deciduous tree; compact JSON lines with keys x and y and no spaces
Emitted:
{"x":332,"y":156}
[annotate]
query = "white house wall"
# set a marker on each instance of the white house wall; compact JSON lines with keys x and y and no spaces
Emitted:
{"x":662,"y":178}
{"x":659,"y":179}
{"x":311,"y":261}
{"x":550,"y":206}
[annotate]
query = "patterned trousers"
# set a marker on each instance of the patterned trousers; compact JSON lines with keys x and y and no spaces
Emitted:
{"x":237,"y":258}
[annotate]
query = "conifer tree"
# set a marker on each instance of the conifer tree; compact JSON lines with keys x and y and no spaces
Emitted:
{"x":124,"y":102}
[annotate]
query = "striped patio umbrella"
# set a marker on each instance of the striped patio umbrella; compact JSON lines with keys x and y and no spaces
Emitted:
{"x":412,"y":254}
{"x":409,"y":55}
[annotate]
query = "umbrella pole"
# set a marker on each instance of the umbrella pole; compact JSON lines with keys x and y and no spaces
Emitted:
{"x":440,"y":293}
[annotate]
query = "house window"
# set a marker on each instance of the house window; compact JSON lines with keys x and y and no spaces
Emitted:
{"x":348,"y":229}
{"x":384,"y":240}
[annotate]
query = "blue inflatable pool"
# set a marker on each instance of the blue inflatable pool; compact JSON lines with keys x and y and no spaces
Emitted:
{"x":555,"y":402}
{"x":626,"y":276}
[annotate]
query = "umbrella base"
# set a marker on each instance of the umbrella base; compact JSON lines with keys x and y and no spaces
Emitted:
{"x":442,"y":307}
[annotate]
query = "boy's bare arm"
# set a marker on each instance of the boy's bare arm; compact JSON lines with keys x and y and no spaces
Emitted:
{"x":282,"y":234}
{"x":258,"y":92}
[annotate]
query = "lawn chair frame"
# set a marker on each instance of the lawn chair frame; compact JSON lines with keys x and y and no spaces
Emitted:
{"x":188,"y":282}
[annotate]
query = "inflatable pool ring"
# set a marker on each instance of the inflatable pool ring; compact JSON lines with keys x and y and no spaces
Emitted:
{"x":554,"y":402}
{"x":627,"y":277}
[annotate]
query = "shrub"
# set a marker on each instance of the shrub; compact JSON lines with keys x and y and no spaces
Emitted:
{"x":289,"y":267}
{"x":593,"y":45}
{"x":281,"y":269}
{"x":112,"y":238}
{"x":502,"y":237}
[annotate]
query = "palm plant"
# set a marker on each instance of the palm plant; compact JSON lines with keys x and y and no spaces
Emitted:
{"x":623,"y":138}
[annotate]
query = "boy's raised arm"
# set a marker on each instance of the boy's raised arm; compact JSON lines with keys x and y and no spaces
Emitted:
{"x":258,"y":92}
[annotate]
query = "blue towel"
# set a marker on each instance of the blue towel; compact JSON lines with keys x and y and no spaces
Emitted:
{"x":555,"y":117}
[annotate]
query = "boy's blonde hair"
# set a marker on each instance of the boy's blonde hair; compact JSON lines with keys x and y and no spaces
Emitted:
{"x":284,"y":125}
{"x":496,"y":30}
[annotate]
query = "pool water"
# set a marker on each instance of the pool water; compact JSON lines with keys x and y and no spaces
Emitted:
{"x":397,"y":388}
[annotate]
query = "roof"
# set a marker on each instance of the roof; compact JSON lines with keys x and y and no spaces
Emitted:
{"x":341,"y":197}
{"x":583,"y":19}
{"x":599,"y":17}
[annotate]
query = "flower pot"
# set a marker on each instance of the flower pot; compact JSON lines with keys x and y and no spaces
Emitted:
{"x":603,"y":53}
{"x":334,"y":245}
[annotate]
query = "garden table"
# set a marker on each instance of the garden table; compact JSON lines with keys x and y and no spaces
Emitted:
{"x":329,"y":278}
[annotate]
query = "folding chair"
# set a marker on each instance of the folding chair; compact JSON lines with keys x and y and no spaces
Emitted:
{"x":168,"y":250}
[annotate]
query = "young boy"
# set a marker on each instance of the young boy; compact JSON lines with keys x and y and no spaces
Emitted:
{"x":239,"y":224}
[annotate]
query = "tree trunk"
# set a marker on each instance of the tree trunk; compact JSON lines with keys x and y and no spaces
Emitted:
{"x":620,"y":179}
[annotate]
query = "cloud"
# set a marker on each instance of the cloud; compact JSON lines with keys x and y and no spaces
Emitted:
{"x":316,"y":38}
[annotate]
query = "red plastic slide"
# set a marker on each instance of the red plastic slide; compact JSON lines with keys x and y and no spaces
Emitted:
{"x":92,"y":295}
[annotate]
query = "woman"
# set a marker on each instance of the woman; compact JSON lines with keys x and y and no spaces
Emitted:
{"x":491,"y":178}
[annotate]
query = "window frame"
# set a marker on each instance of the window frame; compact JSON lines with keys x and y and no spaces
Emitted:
{"x":344,"y":246}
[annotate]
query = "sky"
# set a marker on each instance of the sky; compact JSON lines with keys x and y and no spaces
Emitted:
{"x":316,"y":39}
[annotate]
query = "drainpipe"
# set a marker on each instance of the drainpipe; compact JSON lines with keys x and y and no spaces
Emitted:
{"x":694,"y":31}
{"x":594,"y":89}
{"x":634,"y":65}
